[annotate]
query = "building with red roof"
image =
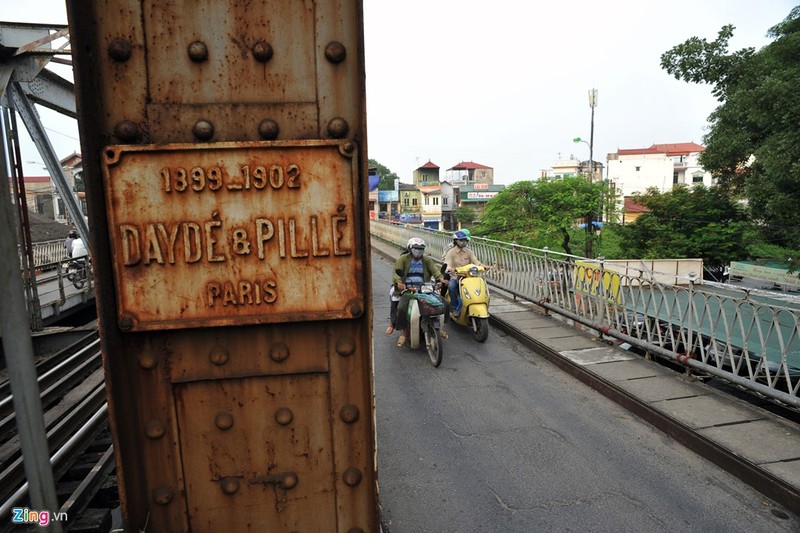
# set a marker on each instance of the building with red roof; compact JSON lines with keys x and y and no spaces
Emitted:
{"x":634,"y":170}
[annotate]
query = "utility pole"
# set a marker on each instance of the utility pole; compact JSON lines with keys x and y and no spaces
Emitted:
{"x":590,"y":220}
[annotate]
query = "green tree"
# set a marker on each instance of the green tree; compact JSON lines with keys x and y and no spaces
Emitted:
{"x":465,"y":215}
{"x":387,"y":176}
{"x":689,"y":223}
{"x":543,"y":213}
{"x":753,"y":140}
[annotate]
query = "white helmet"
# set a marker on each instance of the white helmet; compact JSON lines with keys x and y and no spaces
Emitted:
{"x":415,"y":242}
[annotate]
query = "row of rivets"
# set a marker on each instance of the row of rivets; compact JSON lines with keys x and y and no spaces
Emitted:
{"x":121,"y":50}
{"x":129,"y":132}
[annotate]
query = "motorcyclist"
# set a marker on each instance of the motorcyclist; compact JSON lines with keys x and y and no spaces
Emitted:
{"x":79,"y":248}
{"x":459,"y":255}
{"x":71,"y":236}
{"x":412,"y":269}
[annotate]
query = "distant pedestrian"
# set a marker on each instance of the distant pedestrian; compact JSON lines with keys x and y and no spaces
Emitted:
{"x":68,"y":243}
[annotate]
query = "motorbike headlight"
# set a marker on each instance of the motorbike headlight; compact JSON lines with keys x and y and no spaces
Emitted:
{"x":473,"y":271}
{"x":426,"y":289}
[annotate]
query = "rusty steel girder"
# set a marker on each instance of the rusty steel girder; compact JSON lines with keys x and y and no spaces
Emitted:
{"x":224,"y":148}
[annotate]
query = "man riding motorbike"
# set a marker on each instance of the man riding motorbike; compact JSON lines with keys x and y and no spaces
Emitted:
{"x":459,"y":255}
{"x":412,"y":269}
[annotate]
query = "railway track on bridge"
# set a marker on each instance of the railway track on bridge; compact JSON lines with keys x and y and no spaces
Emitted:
{"x":72,"y":389}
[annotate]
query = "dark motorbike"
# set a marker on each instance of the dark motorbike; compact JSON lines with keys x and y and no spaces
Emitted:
{"x":78,"y":272}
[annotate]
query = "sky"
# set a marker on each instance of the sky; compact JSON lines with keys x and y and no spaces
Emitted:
{"x":505,"y":83}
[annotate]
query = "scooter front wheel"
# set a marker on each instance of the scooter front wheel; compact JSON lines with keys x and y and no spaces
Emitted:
{"x":433,"y":343}
{"x":480,"y":328}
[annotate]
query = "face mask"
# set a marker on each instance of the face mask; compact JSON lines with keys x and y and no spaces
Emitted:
{"x":461,"y":243}
{"x":416,"y":253}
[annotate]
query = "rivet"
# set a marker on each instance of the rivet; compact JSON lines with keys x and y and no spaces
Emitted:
{"x":219,"y":356}
{"x":349,"y":414}
{"x":268,"y":129}
{"x":349,"y":147}
{"x":127,"y":131}
{"x":355,"y":310}
{"x":203,"y":130}
{"x":338,"y":128}
{"x":284,"y":416}
{"x":223,"y":421}
{"x":335,"y":52}
{"x":163,"y":494}
{"x":262,"y":51}
{"x":279,"y":352}
{"x":352,"y":476}
{"x":120,"y":50}
{"x":345,"y":346}
{"x":289,"y":480}
{"x":198,"y":51}
{"x":155,"y":429}
{"x":229,"y":485}
{"x":147,"y":361}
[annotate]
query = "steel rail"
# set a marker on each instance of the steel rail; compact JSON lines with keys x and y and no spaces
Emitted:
{"x":69,"y":450}
{"x":74,"y":370}
{"x":58,"y":436}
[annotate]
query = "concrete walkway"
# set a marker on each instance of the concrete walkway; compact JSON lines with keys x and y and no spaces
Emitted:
{"x":731,"y":429}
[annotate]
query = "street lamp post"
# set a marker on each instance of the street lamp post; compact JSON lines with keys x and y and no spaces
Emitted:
{"x":591,"y":170}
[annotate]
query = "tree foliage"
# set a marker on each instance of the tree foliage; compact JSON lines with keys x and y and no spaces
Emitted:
{"x":542,"y":213}
{"x":753,"y":140}
{"x":696,"y":222}
{"x":386,"y":182}
{"x":465,"y":215}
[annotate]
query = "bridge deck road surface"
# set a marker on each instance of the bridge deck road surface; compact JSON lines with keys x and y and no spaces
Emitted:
{"x":499,"y":439}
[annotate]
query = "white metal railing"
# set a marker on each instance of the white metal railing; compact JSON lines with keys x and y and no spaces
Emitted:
{"x":49,"y":252}
{"x":738,"y":335}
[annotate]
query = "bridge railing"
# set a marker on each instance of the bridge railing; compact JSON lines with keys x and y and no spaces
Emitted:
{"x":58,"y":288}
{"x":745,"y":337}
{"x":48,"y":252}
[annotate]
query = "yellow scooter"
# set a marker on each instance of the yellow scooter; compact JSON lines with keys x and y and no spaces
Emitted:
{"x":473,"y":304}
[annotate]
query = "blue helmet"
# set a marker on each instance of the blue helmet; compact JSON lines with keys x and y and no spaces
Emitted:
{"x":460,"y":235}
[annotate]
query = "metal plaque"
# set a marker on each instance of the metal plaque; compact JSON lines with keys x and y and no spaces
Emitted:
{"x":233,"y":233}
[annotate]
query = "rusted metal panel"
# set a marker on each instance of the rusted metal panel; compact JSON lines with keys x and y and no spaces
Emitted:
{"x":235,"y":233}
{"x":257,"y":454}
{"x":237,"y":52}
{"x":213,"y":353}
{"x":205,"y":84}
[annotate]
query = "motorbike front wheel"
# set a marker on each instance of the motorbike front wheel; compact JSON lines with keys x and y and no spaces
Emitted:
{"x":480,"y":329}
{"x":433,"y":342}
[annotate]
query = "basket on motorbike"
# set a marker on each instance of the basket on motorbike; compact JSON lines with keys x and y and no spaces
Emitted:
{"x":430,"y":304}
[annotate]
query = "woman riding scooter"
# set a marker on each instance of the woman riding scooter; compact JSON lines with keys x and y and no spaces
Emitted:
{"x":468,"y":293}
{"x":458,"y":256}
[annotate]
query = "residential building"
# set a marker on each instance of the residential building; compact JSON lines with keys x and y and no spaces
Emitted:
{"x":661,"y":166}
{"x":574,"y":167}
{"x":427,"y":175}
{"x":476,"y":196}
{"x":469,"y":173}
{"x":449,"y":204}
{"x":410,"y":204}
{"x":426,"y":179}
